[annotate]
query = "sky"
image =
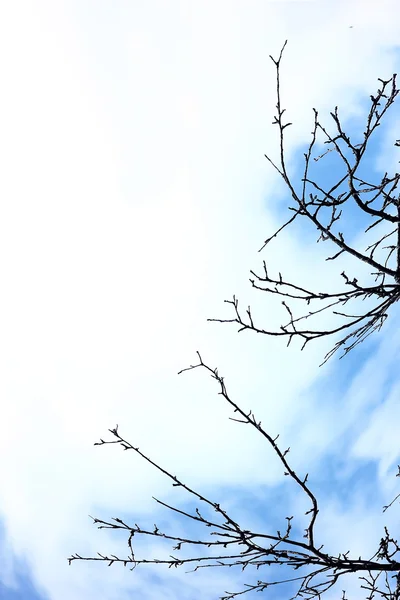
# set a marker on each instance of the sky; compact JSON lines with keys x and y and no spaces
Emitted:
{"x":134,"y":199}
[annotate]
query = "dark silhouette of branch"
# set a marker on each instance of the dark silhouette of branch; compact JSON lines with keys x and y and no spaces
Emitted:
{"x":396,"y":497}
{"x":228,"y":544}
{"x":323,"y":207}
{"x":225,"y":543}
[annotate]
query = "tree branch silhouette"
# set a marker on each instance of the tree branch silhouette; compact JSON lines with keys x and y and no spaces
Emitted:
{"x":323,"y":207}
{"x":231,"y":545}
{"x":225,"y":543}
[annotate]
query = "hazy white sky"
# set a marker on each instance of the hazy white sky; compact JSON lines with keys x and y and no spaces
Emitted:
{"x":134,"y":198}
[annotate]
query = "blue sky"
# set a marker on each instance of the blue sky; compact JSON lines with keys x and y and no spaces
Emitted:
{"x":135,"y":197}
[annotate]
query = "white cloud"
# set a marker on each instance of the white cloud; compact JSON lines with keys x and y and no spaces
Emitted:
{"x":133,"y":202}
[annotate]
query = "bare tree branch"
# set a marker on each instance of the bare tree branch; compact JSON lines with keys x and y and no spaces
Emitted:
{"x":225,"y":542}
{"x":230,"y":545}
{"x":379,"y":200}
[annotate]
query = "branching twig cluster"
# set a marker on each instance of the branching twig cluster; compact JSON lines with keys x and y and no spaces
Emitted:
{"x":225,"y":542}
{"x":323,"y":207}
{"x":229,"y":545}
